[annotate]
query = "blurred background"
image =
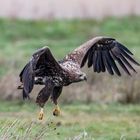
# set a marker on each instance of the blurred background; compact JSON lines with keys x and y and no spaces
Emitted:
{"x":110,"y":105}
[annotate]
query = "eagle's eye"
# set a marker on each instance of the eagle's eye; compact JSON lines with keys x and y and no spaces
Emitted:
{"x":80,"y":75}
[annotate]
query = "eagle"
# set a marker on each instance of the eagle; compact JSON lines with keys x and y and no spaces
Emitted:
{"x":100,"y":53}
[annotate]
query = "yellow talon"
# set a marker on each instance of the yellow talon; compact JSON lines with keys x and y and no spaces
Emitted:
{"x":56,"y":111}
{"x":41,"y":114}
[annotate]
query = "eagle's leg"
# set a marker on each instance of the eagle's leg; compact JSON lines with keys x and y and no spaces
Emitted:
{"x":56,"y":111}
{"x":42,"y":98}
{"x":56,"y":93}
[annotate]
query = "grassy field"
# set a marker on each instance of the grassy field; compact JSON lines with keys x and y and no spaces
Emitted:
{"x":78,"y":121}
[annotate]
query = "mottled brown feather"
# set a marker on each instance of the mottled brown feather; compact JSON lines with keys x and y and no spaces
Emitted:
{"x":102,"y":53}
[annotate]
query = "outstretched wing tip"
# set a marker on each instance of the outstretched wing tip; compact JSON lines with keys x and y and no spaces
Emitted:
{"x":46,"y":47}
{"x":105,"y":53}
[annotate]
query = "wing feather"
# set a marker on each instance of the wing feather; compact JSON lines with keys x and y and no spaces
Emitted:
{"x":84,"y":60}
{"x":112,"y":63}
{"x":42,"y":64}
{"x":27,"y":78}
{"x":90,"y":59}
{"x":129,"y":57}
{"x":103,"y":53}
{"x":95,"y":61}
{"x":98,"y":62}
{"x":107,"y":63}
{"x":101,"y":64}
{"x":47,"y":64}
{"x":121,"y":63}
{"x":122,"y":47}
{"x":127,"y":63}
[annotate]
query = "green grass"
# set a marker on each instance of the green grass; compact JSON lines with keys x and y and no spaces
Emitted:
{"x":87,"y":121}
{"x":19,"y":39}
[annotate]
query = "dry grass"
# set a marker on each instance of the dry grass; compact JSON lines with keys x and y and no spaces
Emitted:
{"x":77,"y":122}
{"x":18,"y":130}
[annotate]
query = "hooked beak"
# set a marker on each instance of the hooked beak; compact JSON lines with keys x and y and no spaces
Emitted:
{"x":83,"y":77}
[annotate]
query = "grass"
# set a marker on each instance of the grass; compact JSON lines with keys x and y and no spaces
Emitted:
{"x":19,"y":39}
{"x":84,"y":121}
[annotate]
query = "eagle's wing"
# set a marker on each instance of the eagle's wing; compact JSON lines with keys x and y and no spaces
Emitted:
{"x":41,"y":64}
{"x":45,"y":64}
{"x":102,"y":53}
{"x":27,"y":78}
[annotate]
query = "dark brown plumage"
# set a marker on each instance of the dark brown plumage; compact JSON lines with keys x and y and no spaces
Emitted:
{"x":101,"y":53}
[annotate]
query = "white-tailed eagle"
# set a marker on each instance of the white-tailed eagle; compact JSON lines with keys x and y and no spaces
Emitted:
{"x":100,"y":53}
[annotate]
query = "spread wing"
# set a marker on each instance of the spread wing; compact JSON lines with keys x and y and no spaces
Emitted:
{"x":45,"y":64}
{"x":27,"y":78}
{"x":104,"y":54}
{"x":42,"y":64}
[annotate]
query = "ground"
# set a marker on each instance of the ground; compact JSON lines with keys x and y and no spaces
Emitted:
{"x":18,"y":120}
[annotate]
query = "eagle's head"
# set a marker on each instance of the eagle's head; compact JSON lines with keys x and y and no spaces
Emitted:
{"x":80,"y":77}
{"x":83,"y":77}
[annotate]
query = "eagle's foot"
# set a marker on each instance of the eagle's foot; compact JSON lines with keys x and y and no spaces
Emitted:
{"x":56,"y":111}
{"x":41,"y":114}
